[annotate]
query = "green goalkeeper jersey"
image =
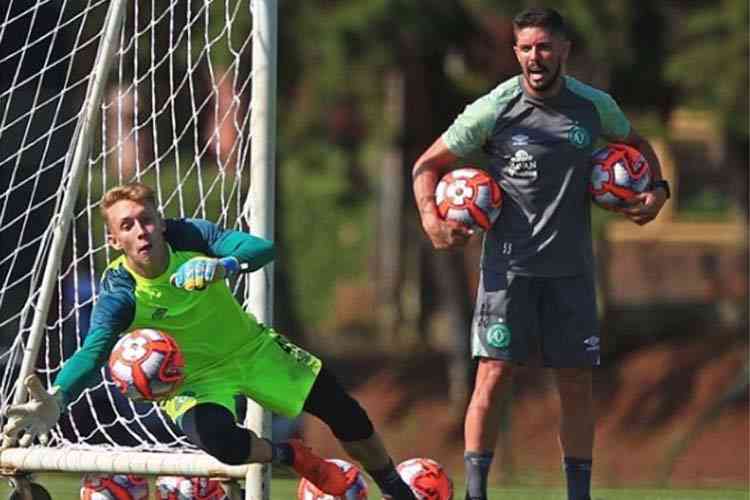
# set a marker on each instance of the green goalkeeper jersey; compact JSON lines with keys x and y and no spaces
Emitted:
{"x":209,"y":325}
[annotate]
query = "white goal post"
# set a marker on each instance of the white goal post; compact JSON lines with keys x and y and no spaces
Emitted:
{"x":180,"y":94}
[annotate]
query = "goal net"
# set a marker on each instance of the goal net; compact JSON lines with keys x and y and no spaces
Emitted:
{"x":174,"y":111}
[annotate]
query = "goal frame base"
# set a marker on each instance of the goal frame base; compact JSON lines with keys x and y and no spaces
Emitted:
{"x":15,"y":461}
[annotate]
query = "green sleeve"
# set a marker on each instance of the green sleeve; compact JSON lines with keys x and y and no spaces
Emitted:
{"x":471,"y":129}
{"x":252,"y":252}
{"x":615,"y":125}
{"x":82,"y":369}
{"x":112,"y":315}
{"x":200,"y":235}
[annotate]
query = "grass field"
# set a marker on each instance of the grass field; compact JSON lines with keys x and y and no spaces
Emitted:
{"x":66,"y":487}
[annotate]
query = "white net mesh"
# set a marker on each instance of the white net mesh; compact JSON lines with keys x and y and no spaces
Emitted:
{"x":175,"y":115}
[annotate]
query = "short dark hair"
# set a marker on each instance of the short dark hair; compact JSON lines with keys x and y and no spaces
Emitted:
{"x":540,"y":17}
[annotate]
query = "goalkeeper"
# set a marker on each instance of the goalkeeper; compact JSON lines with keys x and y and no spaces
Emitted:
{"x":171,"y":278}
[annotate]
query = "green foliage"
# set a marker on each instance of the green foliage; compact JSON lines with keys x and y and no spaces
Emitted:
{"x":600,"y":26}
{"x":710,"y":61}
{"x":221,"y":54}
{"x":707,"y":205}
{"x":354,"y":44}
{"x":326,"y":232}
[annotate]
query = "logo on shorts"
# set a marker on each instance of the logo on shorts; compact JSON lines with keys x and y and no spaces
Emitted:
{"x":498,"y":335}
{"x":484,"y":315}
{"x":592,"y":343}
{"x":177,"y":405}
{"x":579,"y":136}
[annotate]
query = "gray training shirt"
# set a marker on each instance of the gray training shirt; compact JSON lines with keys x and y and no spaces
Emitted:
{"x":539,"y":151}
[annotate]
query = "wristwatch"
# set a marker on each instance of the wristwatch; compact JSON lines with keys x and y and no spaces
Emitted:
{"x":662,"y":183}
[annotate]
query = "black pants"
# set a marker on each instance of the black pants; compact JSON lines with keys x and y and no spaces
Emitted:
{"x":213,"y":429}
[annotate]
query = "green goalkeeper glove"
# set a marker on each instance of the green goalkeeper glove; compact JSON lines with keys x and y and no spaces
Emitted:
{"x":199,"y":272}
{"x":34,"y":418}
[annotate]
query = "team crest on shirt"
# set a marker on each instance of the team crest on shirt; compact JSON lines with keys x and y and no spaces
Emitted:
{"x":498,"y":335}
{"x":579,"y":137}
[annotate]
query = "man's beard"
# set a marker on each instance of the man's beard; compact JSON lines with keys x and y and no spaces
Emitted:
{"x":549,"y":83}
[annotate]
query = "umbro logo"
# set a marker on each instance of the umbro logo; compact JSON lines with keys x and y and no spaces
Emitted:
{"x":592,"y":343}
{"x":159,"y":313}
{"x":520,"y":140}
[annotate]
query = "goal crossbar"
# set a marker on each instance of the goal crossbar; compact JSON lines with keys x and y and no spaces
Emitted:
{"x":13,"y":460}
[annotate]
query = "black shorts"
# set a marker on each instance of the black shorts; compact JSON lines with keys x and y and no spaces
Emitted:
{"x":516,"y":317}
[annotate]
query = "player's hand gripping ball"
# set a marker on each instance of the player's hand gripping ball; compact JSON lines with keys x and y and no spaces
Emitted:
{"x":426,"y":478}
{"x":469,"y":195}
{"x":114,"y":487}
{"x":189,"y":488}
{"x":619,"y":172}
{"x":358,"y":490}
{"x":147,"y":365}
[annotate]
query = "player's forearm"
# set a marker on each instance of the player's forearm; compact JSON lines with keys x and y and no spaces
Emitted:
{"x":428,"y":169}
{"x":647,"y":150}
{"x":251,"y":251}
{"x":83,"y":367}
{"x":425,"y":179}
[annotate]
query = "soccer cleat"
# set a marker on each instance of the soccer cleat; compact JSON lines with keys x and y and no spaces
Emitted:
{"x":400,"y":491}
{"x":326,"y":476}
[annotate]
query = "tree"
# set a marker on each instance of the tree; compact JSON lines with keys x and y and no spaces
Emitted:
{"x":709,"y":64}
{"x":385,"y":61}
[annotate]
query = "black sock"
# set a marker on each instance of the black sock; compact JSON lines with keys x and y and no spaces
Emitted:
{"x":391,"y":483}
{"x":477,"y":470}
{"x":578,"y":475}
{"x":281,"y":453}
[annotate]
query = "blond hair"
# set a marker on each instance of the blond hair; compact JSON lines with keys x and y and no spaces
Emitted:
{"x":134,"y":191}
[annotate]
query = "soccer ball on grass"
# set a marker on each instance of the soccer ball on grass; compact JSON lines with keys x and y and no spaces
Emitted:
{"x":618,"y":173}
{"x":358,"y":491}
{"x":469,"y":195}
{"x":189,"y":488}
{"x":146,"y":365}
{"x":114,"y":487}
{"x":426,"y":478}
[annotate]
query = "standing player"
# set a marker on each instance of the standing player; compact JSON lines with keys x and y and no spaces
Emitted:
{"x":536,"y":294}
{"x":171,"y":277}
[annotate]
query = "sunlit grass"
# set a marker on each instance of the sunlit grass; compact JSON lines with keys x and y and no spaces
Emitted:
{"x":67,"y":486}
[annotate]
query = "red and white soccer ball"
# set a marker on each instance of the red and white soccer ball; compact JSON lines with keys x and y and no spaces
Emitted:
{"x":426,"y":478}
{"x":189,"y":488}
{"x":358,"y":491}
{"x":114,"y":487}
{"x":469,"y":195}
{"x":146,"y":365}
{"x":619,"y":172}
